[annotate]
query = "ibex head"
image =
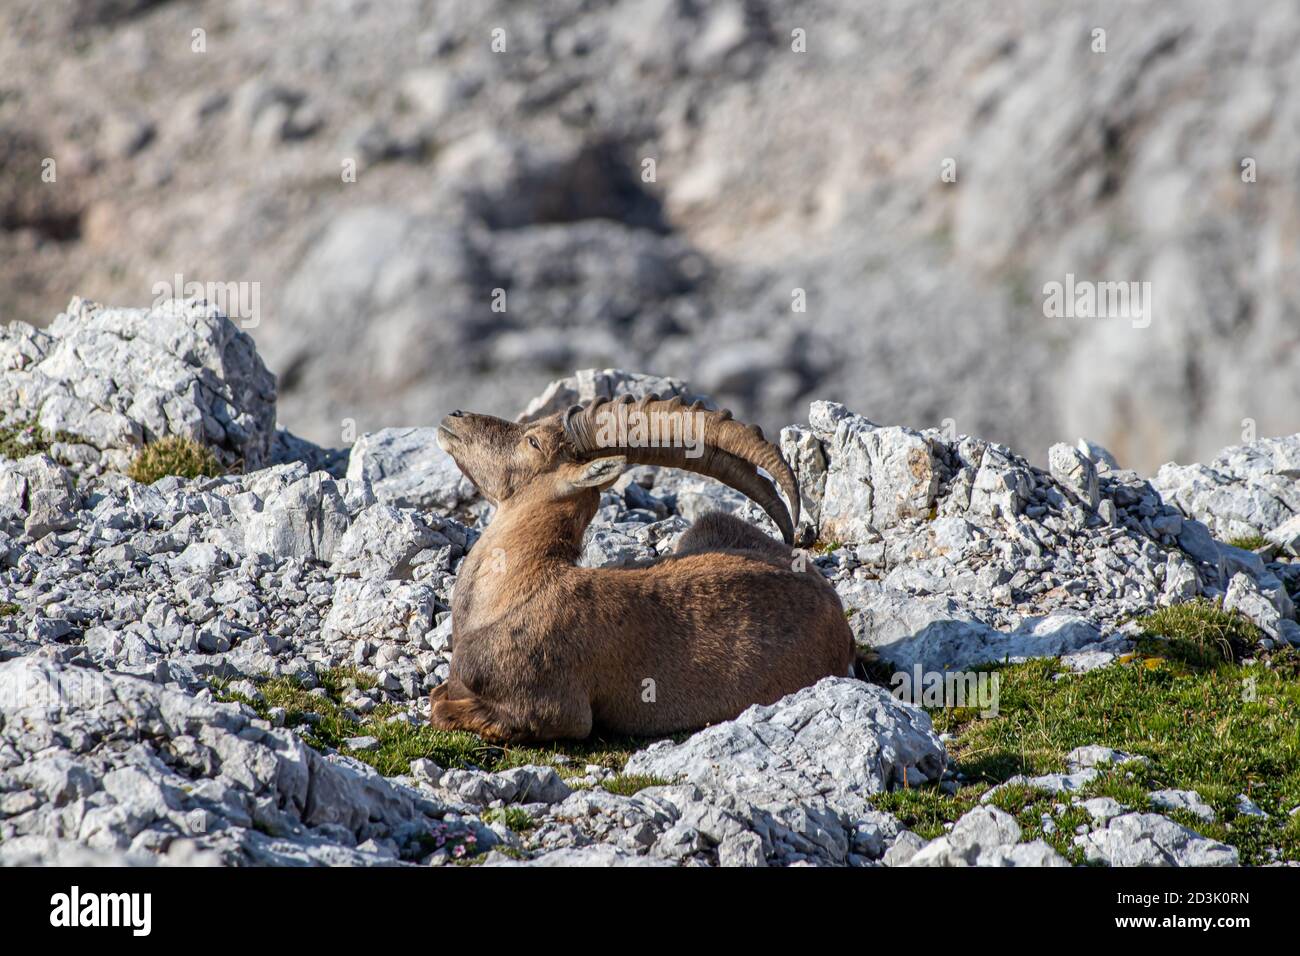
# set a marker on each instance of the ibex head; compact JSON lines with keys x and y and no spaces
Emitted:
{"x":588,"y":446}
{"x":503,"y":458}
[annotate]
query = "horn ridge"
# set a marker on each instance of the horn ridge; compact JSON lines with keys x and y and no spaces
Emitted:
{"x":732,"y":453}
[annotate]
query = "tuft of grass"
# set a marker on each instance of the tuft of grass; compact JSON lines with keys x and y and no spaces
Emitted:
{"x":338,"y":680}
{"x":516,"y":818}
{"x":173,"y":455}
{"x":1249,"y":542}
{"x":20,"y":439}
{"x":1202,"y":631}
{"x":926,"y":809}
{"x":9,"y":609}
{"x":1204,"y":722}
{"x":626,"y":784}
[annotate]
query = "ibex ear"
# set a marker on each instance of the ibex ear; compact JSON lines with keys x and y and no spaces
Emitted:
{"x":602,"y":471}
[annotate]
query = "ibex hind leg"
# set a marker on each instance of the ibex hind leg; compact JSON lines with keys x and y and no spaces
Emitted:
{"x":718,"y":531}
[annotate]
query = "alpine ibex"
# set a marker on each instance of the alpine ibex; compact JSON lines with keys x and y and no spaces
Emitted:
{"x":544,"y":649}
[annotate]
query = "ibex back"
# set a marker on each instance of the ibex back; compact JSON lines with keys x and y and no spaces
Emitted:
{"x":543,"y":649}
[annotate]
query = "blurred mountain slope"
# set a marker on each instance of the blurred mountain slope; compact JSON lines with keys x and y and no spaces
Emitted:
{"x":778,"y":176}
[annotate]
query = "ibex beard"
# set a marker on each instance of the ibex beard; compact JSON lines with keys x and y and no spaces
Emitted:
{"x":543,"y":649}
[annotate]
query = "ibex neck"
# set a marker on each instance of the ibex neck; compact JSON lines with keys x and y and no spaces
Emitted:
{"x":512,"y":557}
{"x":542,"y":529}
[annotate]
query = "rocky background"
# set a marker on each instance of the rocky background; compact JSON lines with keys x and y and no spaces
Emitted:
{"x":140,"y":624}
{"x":797,"y":149}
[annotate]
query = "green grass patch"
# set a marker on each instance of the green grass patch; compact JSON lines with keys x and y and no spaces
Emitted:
{"x":927,"y":809}
{"x":571,"y":758}
{"x":338,"y":680}
{"x":173,"y":455}
{"x":20,"y":439}
{"x":626,"y":784}
{"x":1204,"y":722}
{"x":325,"y":722}
{"x":1200,"y":633}
{"x":515,"y":818}
{"x":9,"y":609}
{"x":1034,"y":808}
{"x":1249,"y":542}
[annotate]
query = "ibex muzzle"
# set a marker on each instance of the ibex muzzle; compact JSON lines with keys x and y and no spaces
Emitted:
{"x":544,"y":649}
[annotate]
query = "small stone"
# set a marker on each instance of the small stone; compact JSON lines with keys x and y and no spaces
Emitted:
{"x":1076,"y":472}
{"x":1187,"y":800}
{"x":423,"y":768}
{"x":1102,"y":809}
{"x":742,"y":849}
{"x":1247,"y":807}
{"x":903,"y":849}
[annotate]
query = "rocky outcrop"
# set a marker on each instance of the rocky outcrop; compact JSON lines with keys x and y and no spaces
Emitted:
{"x":589,"y":384}
{"x":1247,"y":490}
{"x":107,"y":381}
{"x":405,"y":467}
{"x":116,"y":763}
{"x":37,"y":496}
{"x":841,"y":738}
{"x":952,"y":551}
{"x":798,"y":773}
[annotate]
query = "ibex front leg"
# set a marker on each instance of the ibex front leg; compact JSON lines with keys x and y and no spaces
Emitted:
{"x":470,"y":714}
{"x":454,"y":707}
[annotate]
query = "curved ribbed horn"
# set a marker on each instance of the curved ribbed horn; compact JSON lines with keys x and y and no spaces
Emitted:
{"x":669,"y":433}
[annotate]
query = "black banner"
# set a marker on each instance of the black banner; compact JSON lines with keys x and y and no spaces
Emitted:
{"x":330,"y":906}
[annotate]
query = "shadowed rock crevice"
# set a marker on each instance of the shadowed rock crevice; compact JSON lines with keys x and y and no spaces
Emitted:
{"x":596,"y":182}
{"x":28,"y":202}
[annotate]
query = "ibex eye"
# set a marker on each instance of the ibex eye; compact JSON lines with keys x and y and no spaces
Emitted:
{"x":533,"y":441}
